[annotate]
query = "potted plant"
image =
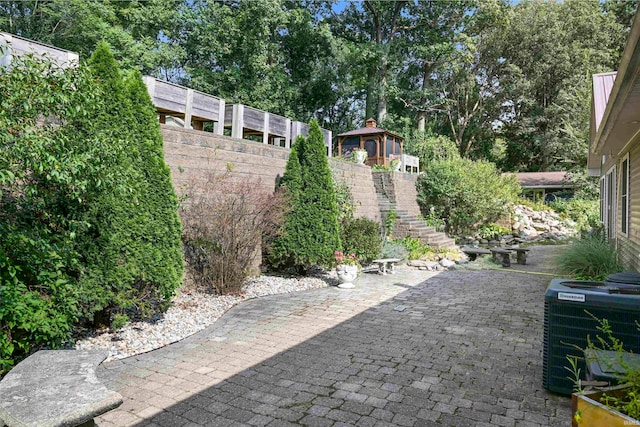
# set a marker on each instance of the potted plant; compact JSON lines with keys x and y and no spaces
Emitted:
{"x":347,"y":268}
{"x":394,"y":162}
{"x":360,"y":155}
{"x":594,"y":403}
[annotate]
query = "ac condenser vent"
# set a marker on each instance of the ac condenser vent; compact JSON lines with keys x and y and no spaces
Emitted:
{"x":571,"y":308}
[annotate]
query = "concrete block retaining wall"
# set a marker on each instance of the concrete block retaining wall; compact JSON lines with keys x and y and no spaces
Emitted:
{"x":194,"y":155}
{"x":406,"y":193}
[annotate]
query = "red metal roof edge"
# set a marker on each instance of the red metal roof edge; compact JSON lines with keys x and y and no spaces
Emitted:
{"x":543,"y":179}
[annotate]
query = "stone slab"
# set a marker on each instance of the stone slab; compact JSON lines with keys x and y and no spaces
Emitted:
{"x":55,"y":388}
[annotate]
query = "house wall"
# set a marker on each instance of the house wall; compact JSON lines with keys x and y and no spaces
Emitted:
{"x":629,"y":247}
{"x":194,"y":155}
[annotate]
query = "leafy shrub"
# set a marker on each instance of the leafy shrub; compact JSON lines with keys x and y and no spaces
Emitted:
{"x":51,"y":168}
{"x":416,"y":249}
{"x":492,"y":231}
{"x":311,"y":234}
{"x":223,"y":231}
{"x":390,"y":223}
{"x":536,"y":206}
{"x":430,"y":148}
{"x":584,"y":212}
{"x":591,"y":257}
{"x":433,"y":221}
{"x":394,"y":249}
{"x":344,"y":198}
{"x":629,"y":401}
{"x":465,"y":192}
{"x":361,"y":236}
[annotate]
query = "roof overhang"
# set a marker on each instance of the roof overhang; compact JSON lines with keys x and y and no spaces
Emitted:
{"x":620,"y":123}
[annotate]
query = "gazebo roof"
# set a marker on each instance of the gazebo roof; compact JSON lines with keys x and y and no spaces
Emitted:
{"x":370,"y":129}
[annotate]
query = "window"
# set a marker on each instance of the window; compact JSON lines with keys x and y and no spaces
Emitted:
{"x":372,"y":148}
{"x":609,"y":201}
{"x":624,"y":196}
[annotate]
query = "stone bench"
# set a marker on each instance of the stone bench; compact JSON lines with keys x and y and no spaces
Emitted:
{"x":473,"y":253}
{"x":54,"y":388}
{"x":521,"y":254}
{"x":505,"y":254}
{"x":384,"y":263}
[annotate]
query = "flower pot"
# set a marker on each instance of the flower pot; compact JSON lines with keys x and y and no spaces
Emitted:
{"x":347,"y":274}
{"x":588,"y":411}
{"x":361,"y":157}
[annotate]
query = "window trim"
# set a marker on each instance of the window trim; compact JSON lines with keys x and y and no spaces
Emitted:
{"x":610,"y":199}
{"x":625,"y":205}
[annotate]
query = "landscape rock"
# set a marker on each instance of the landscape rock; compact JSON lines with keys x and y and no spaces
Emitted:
{"x":447,"y":263}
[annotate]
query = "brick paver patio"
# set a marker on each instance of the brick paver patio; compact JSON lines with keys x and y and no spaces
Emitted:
{"x":459,"y":348}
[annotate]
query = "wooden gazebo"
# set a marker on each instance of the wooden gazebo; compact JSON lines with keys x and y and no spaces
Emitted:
{"x":379,"y":143}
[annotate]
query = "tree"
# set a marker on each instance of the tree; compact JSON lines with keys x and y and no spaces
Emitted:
{"x":311,"y":232}
{"x":157,"y":223}
{"x":551,"y":49}
{"x":373,"y":29}
{"x":140,"y":32}
{"x":132,"y":250}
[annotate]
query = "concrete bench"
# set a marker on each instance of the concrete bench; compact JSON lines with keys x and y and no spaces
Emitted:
{"x":505,"y":254}
{"x":473,"y":253}
{"x":384,"y":263}
{"x":521,"y":254}
{"x":54,"y":388}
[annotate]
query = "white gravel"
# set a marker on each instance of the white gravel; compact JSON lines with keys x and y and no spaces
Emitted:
{"x":189,"y":313}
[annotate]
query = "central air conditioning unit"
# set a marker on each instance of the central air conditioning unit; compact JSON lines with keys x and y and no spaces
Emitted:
{"x":569,"y":310}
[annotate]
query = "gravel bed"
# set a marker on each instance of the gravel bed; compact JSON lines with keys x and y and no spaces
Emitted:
{"x":189,"y":313}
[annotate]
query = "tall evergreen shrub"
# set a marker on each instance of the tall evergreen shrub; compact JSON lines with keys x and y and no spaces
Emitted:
{"x":319,"y":200}
{"x":132,"y":253}
{"x":311,"y":232}
{"x":159,"y":223}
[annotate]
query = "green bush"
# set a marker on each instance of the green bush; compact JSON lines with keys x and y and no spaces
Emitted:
{"x":75,"y":161}
{"x":311,"y":233}
{"x":465,"y":192}
{"x":584,"y":212}
{"x":133,"y":248}
{"x":394,"y":249}
{"x":362,"y":237}
{"x":429,"y":147}
{"x":591,"y":257}
{"x":416,"y":249}
{"x":51,"y":168}
{"x":492,"y":231}
{"x":344,"y":198}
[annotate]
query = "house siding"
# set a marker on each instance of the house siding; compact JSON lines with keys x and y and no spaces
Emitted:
{"x":629,"y":247}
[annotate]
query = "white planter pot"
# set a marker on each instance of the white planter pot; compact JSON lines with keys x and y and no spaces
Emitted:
{"x":347,"y":274}
{"x":361,"y":157}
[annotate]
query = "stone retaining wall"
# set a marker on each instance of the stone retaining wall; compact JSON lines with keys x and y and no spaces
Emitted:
{"x":406,"y":193}
{"x":194,"y":156}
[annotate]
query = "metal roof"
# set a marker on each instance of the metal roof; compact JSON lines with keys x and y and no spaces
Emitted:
{"x":369,"y":131}
{"x":544,"y":180}
{"x":602,"y":85}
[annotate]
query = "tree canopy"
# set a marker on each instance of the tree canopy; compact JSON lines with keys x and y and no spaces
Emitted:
{"x":493,"y":76}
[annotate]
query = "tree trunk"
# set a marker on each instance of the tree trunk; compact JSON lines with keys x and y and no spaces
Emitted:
{"x":422,"y":121}
{"x":370,"y":103}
